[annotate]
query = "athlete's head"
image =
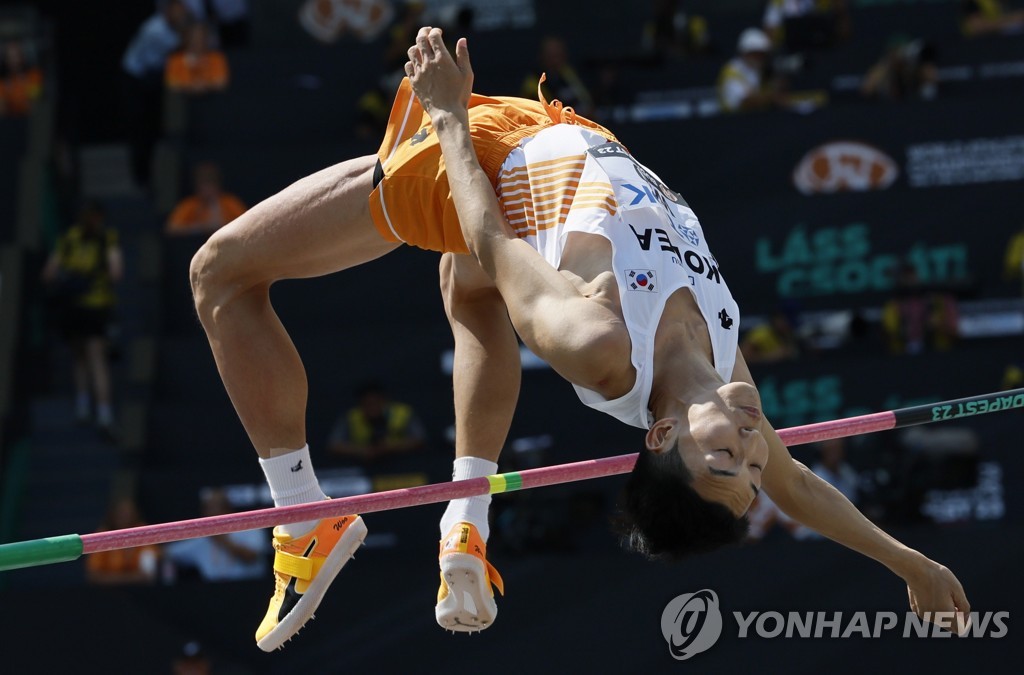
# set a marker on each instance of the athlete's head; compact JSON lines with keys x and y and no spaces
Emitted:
{"x":696,"y":476}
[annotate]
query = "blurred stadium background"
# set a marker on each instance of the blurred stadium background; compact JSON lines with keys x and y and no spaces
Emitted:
{"x":816,"y":212}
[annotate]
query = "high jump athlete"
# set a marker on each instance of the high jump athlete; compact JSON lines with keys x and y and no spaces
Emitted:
{"x":551,"y":230}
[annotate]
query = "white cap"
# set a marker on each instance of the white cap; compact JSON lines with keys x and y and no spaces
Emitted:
{"x":753,"y":40}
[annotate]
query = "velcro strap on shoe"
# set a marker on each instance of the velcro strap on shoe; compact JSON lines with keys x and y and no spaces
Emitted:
{"x":495,"y":578}
{"x":293,"y":565}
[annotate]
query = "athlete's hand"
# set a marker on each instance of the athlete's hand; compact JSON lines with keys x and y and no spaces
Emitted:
{"x":933,"y":588}
{"x":441,"y":83}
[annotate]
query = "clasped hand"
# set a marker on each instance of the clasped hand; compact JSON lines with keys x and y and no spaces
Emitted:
{"x":442,"y":84}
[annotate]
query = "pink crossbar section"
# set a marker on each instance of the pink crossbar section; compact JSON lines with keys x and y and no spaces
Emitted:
{"x":851,"y":426}
{"x":254,"y":520}
{"x":432,"y":494}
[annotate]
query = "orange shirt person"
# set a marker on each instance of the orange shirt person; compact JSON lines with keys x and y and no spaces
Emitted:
{"x":197,"y":68}
{"x":128,"y":566}
{"x":20,"y":83}
{"x":209,"y":209}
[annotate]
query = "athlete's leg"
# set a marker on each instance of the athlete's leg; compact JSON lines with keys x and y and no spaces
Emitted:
{"x":487,"y":367}
{"x":319,"y":225}
{"x":96,"y":357}
{"x":486,"y":377}
{"x":80,"y":371}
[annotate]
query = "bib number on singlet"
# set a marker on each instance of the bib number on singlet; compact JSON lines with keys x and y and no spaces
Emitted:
{"x":651,"y":188}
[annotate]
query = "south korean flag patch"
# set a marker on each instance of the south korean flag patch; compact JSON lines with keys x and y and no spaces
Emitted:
{"x":641,"y":280}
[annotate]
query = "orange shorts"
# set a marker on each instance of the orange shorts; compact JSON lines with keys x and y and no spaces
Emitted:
{"x":412,"y":202}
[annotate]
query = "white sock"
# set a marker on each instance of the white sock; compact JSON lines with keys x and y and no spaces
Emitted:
{"x":292,"y":481}
{"x":471,"y":510}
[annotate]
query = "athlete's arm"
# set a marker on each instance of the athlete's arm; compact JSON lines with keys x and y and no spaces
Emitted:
{"x":486,"y":372}
{"x":811,"y":501}
{"x":582,"y":340}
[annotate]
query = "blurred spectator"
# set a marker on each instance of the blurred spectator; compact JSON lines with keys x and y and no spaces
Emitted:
{"x":771,"y":342}
{"x":672,"y":33}
{"x":143,"y":64}
{"x":1013,"y":261}
{"x":742,"y":84}
{"x":457,"y":21}
{"x":806,"y":24}
{"x":1013,"y":377}
{"x":939,"y":457}
{"x":401,"y":36}
{"x":124,"y":566}
{"x":21,"y":82}
{"x":858,"y":332}
{"x":989,"y":17}
{"x":197,"y":68}
{"x":918,"y":318}
{"x":230,"y":17}
{"x":906,"y":70}
{"x":561,"y":80}
{"x":834,"y":470}
{"x":610,"y":89}
{"x":62,"y":169}
{"x":374,"y":106}
{"x":156,"y":38}
{"x":208,"y":209}
{"x":376,"y":427}
{"x":81,"y":273}
{"x":191,"y":661}
{"x":227,"y":557}
{"x":763,"y":516}
{"x":328,"y":20}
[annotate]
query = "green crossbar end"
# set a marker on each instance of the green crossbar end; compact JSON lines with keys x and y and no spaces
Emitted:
{"x":505,"y":482}
{"x":40,"y":552}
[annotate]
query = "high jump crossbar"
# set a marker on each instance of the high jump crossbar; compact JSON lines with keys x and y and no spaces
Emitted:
{"x":69,"y":547}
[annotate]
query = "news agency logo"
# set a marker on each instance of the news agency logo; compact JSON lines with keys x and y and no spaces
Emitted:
{"x":691,"y":623}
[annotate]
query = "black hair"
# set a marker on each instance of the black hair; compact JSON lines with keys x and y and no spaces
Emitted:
{"x":663,"y":517}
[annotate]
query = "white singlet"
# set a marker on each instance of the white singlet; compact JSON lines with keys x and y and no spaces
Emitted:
{"x":568,"y":179}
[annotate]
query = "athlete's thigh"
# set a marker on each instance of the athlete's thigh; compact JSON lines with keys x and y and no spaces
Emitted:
{"x":318,"y":225}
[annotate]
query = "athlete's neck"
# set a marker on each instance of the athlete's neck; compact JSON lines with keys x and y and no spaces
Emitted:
{"x":684,"y":371}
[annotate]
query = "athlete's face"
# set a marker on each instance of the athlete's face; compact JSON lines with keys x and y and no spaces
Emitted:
{"x":721,"y":444}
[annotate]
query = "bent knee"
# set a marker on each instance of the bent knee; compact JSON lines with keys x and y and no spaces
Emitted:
{"x":462,"y":280}
{"x":219,"y":272}
{"x":203,"y":270}
{"x":203,"y":277}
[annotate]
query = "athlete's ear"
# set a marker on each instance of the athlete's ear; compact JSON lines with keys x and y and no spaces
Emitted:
{"x":662,"y":435}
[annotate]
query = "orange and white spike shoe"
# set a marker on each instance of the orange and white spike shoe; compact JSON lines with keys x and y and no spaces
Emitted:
{"x":465,"y":600}
{"x":304,"y":568}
